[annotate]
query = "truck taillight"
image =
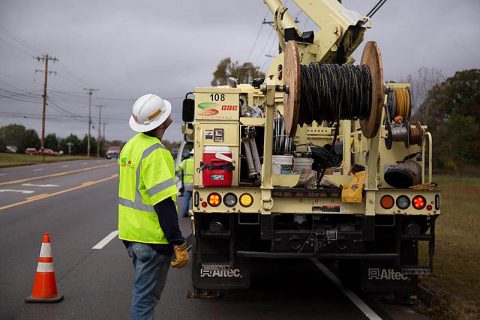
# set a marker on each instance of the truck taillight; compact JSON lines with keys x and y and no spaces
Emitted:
{"x":230,"y":200}
{"x":387,"y":202}
{"x":214,"y":199}
{"x":246,"y":200}
{"x":403,"y":202}
{"x":419,"y":202}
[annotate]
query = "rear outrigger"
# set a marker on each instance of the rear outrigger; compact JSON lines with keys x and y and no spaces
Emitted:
{"x":317,"y":160}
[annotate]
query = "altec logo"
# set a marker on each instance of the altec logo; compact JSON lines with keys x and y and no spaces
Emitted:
{"x":385,"y":274}
{"x":219,"y":271}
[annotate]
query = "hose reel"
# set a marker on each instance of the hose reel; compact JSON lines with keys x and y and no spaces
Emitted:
{"x":315,"y":82}
{"x":397,"y":125}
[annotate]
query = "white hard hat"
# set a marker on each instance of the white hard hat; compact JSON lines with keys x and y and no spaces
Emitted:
{"x":148,"y":112}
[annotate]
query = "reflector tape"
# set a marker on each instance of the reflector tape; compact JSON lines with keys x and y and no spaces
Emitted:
{"x":46,"y":250}
{"x":45,"y":267}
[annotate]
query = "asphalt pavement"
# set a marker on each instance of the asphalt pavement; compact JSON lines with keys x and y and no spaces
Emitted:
{"x":77,"y":205}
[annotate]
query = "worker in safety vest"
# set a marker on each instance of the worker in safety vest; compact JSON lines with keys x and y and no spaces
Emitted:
{"x":147,"y":215}
{"x":187,"y":167}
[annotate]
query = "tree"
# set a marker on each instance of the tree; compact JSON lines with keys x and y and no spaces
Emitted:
{"x":76,"y":144}
{"x":84,"y":145}
{"x":18,"y":136}
{"x":30,"y":139}
{"x":452,"y":113}
{"x":421,"y":82}
{"x":245,"y":72}
{"x":51,"y":141}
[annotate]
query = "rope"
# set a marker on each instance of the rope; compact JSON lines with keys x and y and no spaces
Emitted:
{"x":402,"y":103}
{"x":331,"y":92}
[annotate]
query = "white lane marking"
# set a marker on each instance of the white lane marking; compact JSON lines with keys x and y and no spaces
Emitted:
{"x":40,"y":185}
{"x":39,"y":169}
{"x":105,"y":240}
{"x":352,"y":296}
{"x":18,"y":191}
{"x":65,"y":166}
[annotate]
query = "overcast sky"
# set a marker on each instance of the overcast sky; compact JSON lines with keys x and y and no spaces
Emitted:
{"x":129,"y":48}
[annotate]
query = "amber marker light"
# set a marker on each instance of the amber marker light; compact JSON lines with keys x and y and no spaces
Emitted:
{"x":214,"y":199}
{"x":419,"y":202}
{"x":387,"y":202}
{"x":246,"y":200}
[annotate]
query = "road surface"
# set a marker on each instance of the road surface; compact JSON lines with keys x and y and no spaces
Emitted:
{"x":76,"y":202}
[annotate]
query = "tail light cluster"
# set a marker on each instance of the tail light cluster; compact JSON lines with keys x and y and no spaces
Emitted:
{"x":230,"y":200}
{"x":403,"y":202}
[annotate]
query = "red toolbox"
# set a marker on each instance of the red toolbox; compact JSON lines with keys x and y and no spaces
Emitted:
{"x":217,"y":167}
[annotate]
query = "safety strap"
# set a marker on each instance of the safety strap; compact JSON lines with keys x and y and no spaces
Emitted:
{"x":208,"y":166}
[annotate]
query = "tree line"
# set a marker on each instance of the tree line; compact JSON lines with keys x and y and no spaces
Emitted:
{"x":21,"y":138}
{"x":451,"y":110}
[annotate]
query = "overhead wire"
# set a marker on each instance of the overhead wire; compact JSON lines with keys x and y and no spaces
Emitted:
{"x":12,"y":36}
{"x":376,"y":8}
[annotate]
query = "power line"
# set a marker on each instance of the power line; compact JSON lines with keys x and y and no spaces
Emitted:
{"x":11,"y":35}
{"x":15,"y":47}
{"x":53,"y":116}
{"x":73,"y":75}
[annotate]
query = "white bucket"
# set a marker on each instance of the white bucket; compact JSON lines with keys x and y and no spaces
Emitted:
{"x":282,"y":164}
{"x":301,"y":164}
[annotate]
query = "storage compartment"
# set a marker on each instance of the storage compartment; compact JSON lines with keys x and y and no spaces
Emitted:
{"x":217,"y":167}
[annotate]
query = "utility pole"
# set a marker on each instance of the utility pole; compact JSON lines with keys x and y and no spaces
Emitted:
{"x":45,"y":58}
{"x":90,"y":91}
{"x":99,"y":106}
{"x":103,"y":135}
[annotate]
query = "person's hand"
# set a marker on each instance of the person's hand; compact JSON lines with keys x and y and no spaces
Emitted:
{"x":181,"y":255}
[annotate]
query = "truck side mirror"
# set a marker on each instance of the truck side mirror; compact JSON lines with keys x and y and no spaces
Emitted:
{"x":188,"y":111}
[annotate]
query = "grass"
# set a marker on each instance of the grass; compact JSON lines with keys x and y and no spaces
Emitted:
{"x":14,"y":159}
{"x":456,"y":280}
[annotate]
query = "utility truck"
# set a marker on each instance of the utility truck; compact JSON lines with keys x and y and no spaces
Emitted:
{"x":319,"y":160}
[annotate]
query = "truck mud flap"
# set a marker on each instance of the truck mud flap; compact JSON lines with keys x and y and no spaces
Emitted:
{"x":214,"y":274}
{"x":385,"y":276}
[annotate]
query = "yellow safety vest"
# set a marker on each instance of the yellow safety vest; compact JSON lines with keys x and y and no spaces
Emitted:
{"x":187,"y":166}
{"x":146,"y":178}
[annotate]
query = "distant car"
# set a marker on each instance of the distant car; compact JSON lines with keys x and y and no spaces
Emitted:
{"x":113,"y":152}
{"x":46,"y":152}
{"x":31,"y":151}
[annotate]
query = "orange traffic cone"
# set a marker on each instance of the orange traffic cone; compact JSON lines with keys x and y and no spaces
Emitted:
{"x":44,"y":286}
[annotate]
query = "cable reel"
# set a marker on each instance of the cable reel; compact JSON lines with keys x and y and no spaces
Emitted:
{"x":403,"y":131}
{"x":399,"y":103}
{"x":331,"y":92}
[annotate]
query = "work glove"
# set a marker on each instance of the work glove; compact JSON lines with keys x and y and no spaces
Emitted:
{"x":181,"y":255}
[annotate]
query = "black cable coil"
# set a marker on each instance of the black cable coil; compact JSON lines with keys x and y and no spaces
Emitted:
{"x":331,"y":92}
